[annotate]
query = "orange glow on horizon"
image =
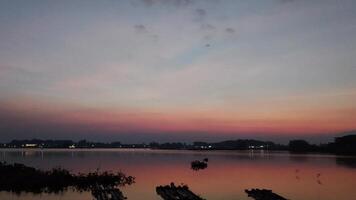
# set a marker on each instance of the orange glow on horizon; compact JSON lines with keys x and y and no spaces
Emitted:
{"x":188,"y":120}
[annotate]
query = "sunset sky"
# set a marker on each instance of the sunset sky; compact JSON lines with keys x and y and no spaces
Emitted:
{"x":177,"y":70}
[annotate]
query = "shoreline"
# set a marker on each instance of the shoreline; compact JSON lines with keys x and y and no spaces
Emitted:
{"x":257,"y":151}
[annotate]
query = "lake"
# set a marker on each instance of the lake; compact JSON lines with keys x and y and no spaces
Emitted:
{"x":229,"y":173}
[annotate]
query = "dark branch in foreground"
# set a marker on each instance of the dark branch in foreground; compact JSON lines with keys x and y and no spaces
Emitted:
{"x":19,"y":178}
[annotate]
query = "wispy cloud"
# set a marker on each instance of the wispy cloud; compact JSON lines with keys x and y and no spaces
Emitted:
{"x":239,"y":66}
{"x":168,"y":2}
{"x":207,"y":27}
{"x":230,"y":30}
{"x":200,"y":14}
{"x":140,"y":28}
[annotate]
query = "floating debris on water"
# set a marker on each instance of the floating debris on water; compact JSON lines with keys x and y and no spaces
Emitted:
{"x":263,"y":194}
{"x":198,"y":165}
{"x":172,"y":192}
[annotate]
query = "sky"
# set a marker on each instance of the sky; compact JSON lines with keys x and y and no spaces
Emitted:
{"x":177,"y":70}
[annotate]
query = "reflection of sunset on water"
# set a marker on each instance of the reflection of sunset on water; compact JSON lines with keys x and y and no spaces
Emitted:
{"x":228,"y":173}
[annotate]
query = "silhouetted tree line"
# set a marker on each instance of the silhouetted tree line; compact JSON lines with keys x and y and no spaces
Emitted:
{"x":345,"y":145}
{"x":37,"y":143}
{"x":173,"y":145}
{"x":238,"y":145}
{"x":341,"y":145}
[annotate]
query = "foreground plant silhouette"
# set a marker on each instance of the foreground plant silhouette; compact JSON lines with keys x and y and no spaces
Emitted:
{"x":19,"y":178}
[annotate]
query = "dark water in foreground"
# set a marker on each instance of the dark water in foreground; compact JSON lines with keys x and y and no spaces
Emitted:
{"x":228,"y":174}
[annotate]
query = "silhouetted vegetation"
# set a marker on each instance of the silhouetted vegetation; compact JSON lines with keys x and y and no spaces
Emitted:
{"x":174,"y":145}
{"x":172,"y":192}
{"x":236,"y":145}
{"x":345,"y":145}
{"x":301,"y":146}
{"x":341,"y":145}
{"x":224,"y":145}
{"x":198,"y":165}
{"x":36,"y":143}
{"x":19,"y":178}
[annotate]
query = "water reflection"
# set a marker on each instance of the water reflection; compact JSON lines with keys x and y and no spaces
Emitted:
{"x":228,"y":175}
{"x":346,"y":161}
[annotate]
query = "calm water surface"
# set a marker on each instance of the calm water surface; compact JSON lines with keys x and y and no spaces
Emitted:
{"x":229,"y":172}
